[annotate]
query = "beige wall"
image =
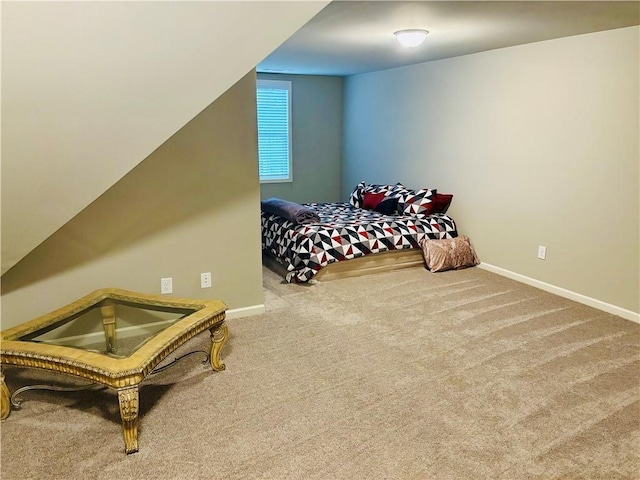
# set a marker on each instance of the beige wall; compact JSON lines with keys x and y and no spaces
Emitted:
{"x":316,"y":140}
{"x":90,"y":86}
{"x":192,"y":206}
{"x":539,"y":144}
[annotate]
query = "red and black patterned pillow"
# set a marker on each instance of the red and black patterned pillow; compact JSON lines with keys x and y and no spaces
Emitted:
{"x":418,"y":203}
{"x":389,"y":190}
{"x":357,"y":196}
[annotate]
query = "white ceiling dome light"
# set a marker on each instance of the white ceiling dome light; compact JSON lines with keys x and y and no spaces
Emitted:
{"x":411,"y":38}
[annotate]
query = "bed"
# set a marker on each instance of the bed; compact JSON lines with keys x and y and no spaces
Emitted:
{"x":351,"y":237}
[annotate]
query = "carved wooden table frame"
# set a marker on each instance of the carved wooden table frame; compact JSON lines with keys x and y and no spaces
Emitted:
{"x":122,"y":374}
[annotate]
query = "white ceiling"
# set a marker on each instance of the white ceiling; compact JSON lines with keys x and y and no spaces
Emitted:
{"x":352,"y":37}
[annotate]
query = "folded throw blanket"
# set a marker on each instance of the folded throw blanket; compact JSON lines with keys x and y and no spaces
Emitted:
{"x":292,"y":211}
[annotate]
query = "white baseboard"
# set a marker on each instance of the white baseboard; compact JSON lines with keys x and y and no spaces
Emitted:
{"x":246,"y":311}
{"x":562,"y":292}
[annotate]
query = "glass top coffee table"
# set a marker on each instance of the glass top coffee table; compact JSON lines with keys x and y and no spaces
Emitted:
{"x":114,"y":338}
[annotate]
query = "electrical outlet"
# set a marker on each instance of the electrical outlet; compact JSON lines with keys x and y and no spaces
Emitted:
{"x":205,"y":280}
{"x":542,"y":252}
{"x":166,"y":285}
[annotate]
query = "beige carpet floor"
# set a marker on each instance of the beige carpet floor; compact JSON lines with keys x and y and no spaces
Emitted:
{"x":403,"y":375}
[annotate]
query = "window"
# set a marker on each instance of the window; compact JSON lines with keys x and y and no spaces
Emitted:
{"x":274,"y":130}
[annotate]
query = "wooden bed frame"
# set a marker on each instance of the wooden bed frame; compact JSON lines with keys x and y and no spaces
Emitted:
{"x":356,"y":267}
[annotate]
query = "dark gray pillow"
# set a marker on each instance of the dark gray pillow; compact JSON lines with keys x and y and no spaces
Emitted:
{"x":388,"y":206}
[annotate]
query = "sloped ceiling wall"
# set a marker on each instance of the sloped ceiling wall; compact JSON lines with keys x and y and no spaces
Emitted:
{"x":91,"y":89}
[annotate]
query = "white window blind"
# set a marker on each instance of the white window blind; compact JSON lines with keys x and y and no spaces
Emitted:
{"x":274,"y":130}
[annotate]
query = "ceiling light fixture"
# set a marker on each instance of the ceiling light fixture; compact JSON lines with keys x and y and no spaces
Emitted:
{"x":411,"y":38}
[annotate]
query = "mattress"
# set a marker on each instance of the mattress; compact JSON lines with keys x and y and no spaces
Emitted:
{"x":345,"y":232}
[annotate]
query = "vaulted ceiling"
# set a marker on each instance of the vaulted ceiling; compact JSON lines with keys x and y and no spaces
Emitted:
{"x":89,"y":89}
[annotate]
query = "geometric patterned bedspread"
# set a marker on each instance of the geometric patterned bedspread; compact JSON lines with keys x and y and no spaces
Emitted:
{"x":345,"y":232}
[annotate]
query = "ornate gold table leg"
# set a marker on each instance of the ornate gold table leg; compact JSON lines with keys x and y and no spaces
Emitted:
{"x":219,"y":335}
{"x":128,"y":400}
{"x":5,"y":403}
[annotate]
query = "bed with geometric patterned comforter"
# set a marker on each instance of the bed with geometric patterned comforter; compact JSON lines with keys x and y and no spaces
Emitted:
{"x":345,"y":232}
